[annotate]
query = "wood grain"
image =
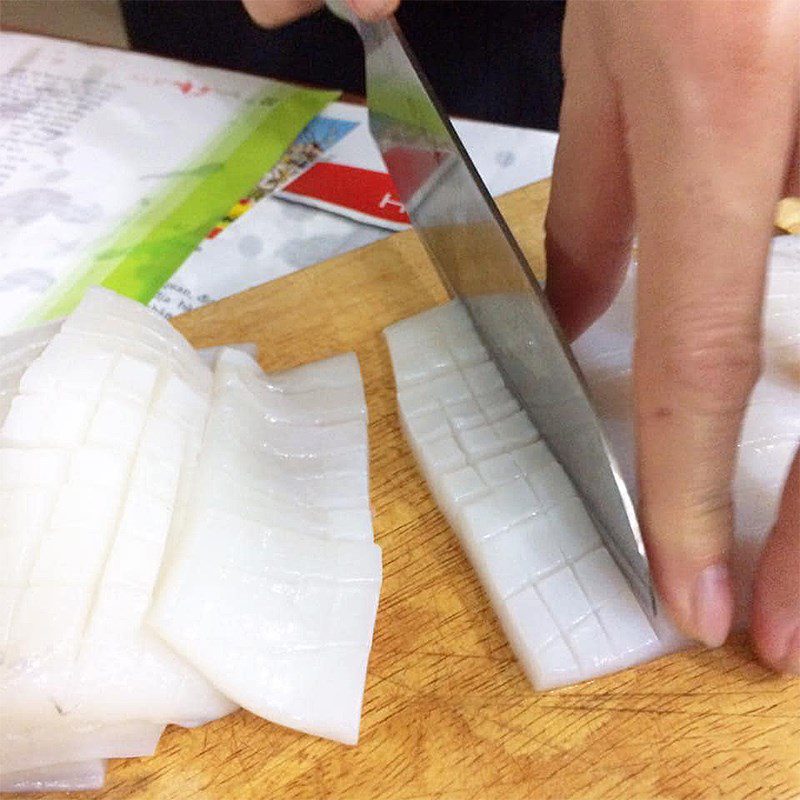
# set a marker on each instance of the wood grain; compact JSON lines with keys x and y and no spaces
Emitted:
{"x":448,"y":714}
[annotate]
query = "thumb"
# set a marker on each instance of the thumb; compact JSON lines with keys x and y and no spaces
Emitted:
{"x":274,"y":13}
{"x":373,"y":10}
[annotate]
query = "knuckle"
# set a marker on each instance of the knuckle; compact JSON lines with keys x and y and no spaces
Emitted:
{"x":707,"y":522}
{"x":711,"y":359}
{"x":704,"y":544}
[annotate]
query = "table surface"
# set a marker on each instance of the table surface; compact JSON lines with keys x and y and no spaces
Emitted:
{"x":447,"y":712}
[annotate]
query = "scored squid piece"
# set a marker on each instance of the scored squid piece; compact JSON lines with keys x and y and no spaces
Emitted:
{"x":123,"y":669}
{"x":210,"y":354}
{"x":336,"y":372}
{"x":321,"y":407}
{"x":17,"y":352}
{"x":303,"y":473}
{"x":279,"y":508}
{"x":304,"y":609}
{"x":91,"y":464}
{"x":296,"y":396}
{"x":61,"y":741}
{"x":261,"y":546}
{"x":126,"y":325}
{"x":562,"y":601}
{"x":71,"y":777}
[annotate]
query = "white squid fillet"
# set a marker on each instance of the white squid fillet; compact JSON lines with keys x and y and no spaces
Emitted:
{"x":93,"y":454}
{"x":63,"y":741}
{"x":17,"y":352}
{"x":302,"y":469}
{"x":560,"y":598}
{"x":272,"y":590}
{"x":140,"y":332}
{"x":72,"y":777}
{"x":566,"y":609}
{"x":210,"y":354}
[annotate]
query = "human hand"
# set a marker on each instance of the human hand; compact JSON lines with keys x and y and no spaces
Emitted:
{"x":683,"y":118}
{"x":274,"y":13}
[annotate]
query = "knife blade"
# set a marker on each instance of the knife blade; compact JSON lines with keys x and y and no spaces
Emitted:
{"x":481,"y":263}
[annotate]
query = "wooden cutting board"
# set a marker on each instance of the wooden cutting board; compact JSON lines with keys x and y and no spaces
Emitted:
{"x":447,"y":712}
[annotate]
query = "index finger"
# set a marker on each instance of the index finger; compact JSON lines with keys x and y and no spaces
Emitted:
{"x":707,"y":92}
{"x":274,"y":13}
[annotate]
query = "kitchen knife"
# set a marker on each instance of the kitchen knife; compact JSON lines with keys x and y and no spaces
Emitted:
{"x":481,"y":263}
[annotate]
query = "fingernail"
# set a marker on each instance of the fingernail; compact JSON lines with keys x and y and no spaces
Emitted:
{"x":790,"y":663}
{"x":713,"y":605}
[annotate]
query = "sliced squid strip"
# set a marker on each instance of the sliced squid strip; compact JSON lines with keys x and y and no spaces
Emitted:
{"x":121,"y":324}
{"x":98,"y":306}
{"x":17,"y":352}
{"x":23,"y":346}
{"x":285,"y":509}
{"x":61,"y":741}
{"x":331,"y":373}
{"x":72,"y":777}
{"x":329,"y":480}
{"x":92,"y":456}
{"x":306,"y":597}
{"x":251,"y":431}
{"x":315,"y":407}
{"x":562,"y":601}
{"x":116,"y":469}
{"x":305,"y":611}
{"x":332,"y":449}
{"x":313,"y":465}
{"x":210,"y":354}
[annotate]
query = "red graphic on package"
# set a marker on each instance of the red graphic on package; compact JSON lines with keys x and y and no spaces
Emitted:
{"x":413,"y":168}
{"x":363,"y":192}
